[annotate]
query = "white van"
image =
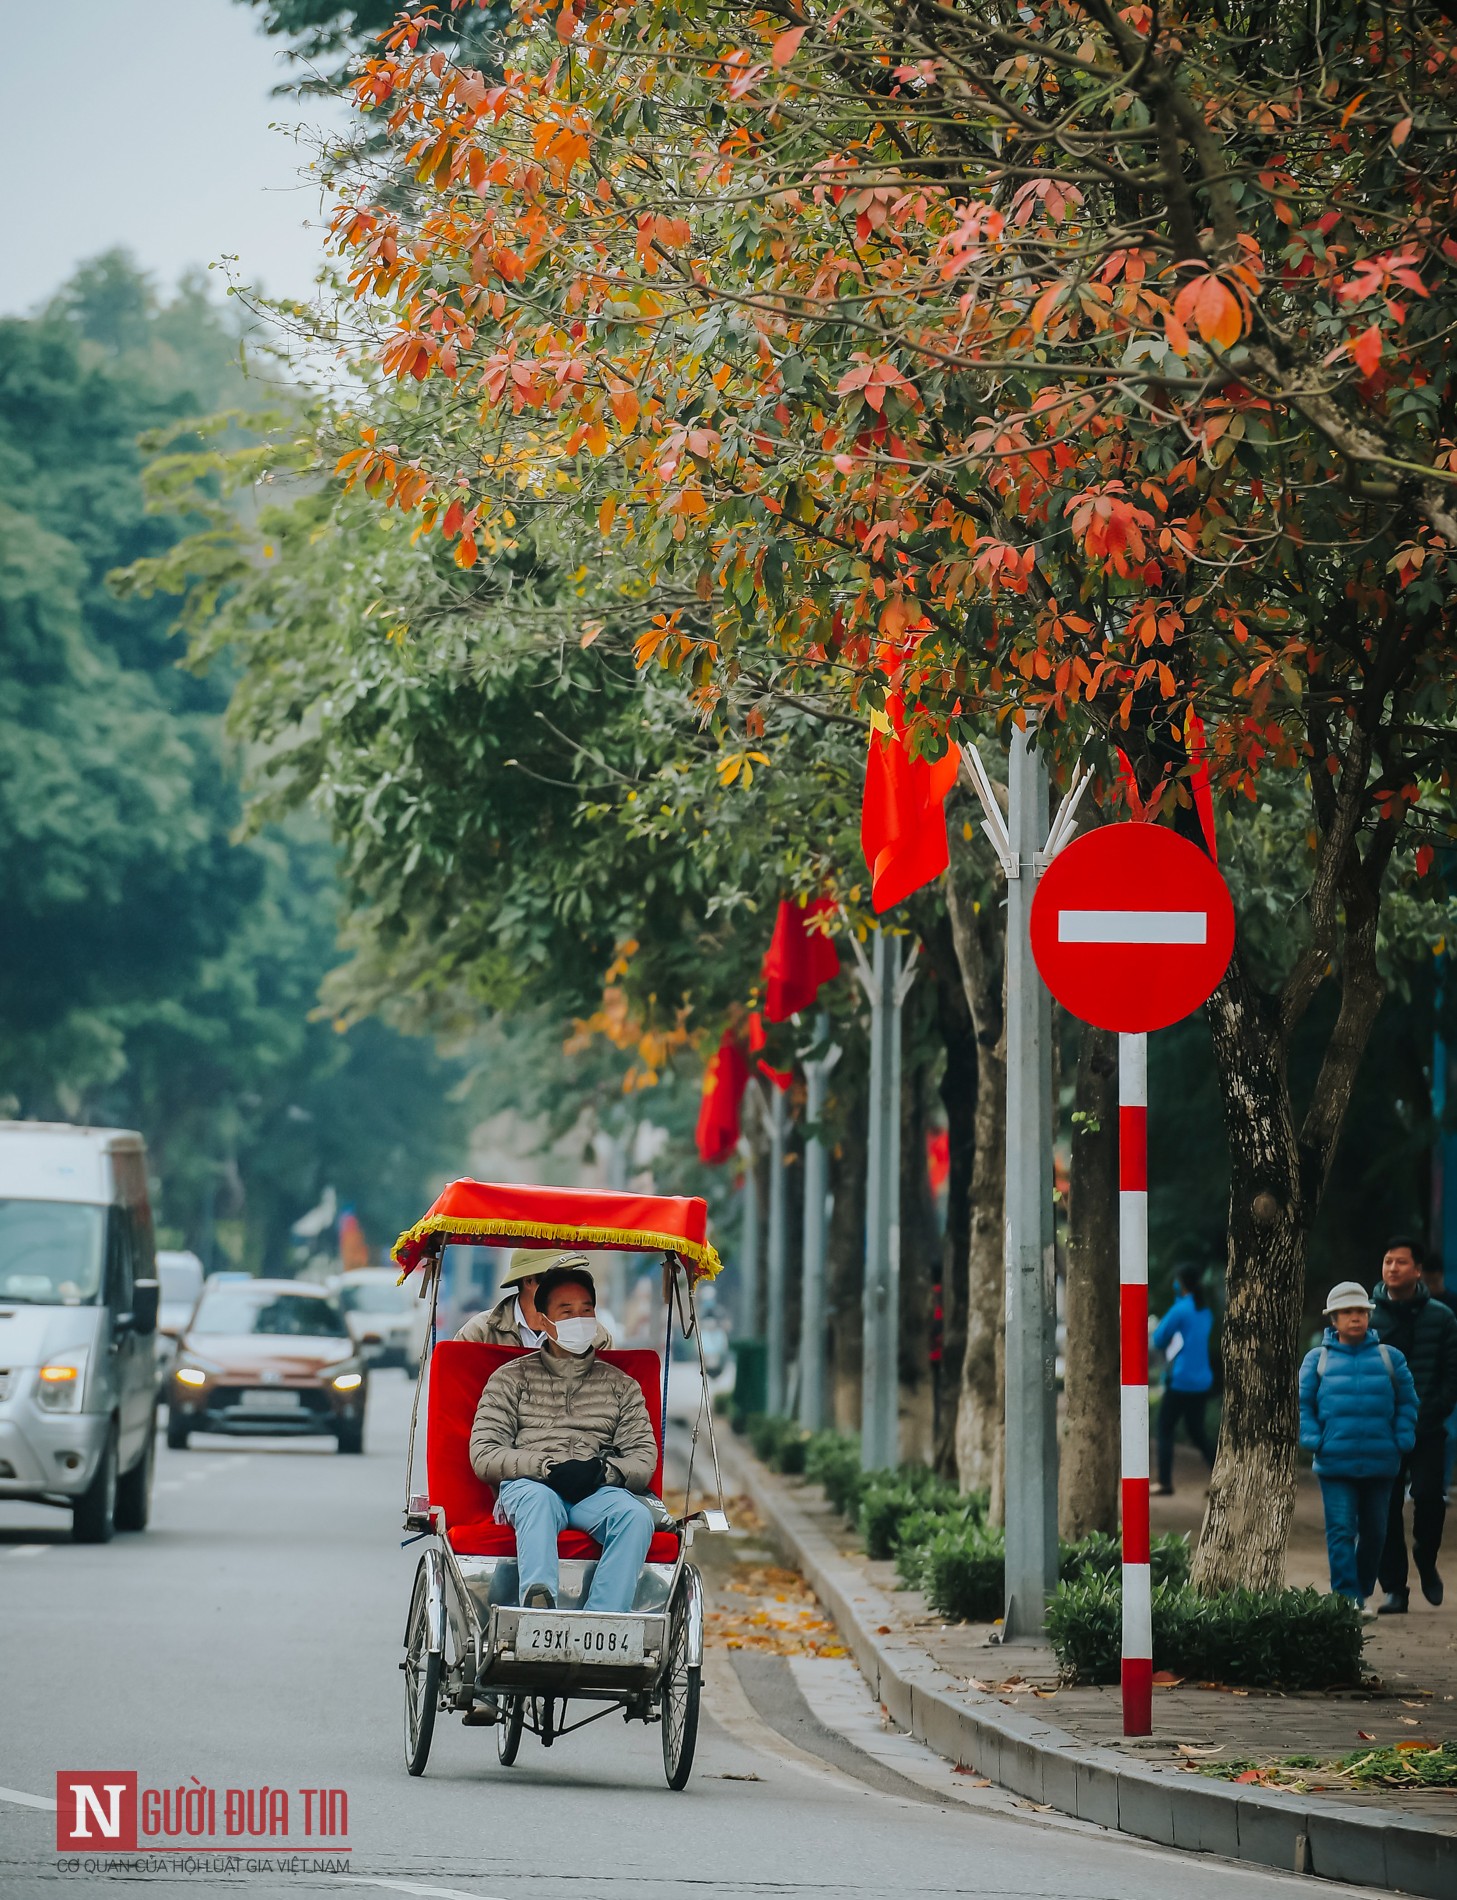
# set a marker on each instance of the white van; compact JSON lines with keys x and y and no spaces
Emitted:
{"x":78,"y":1311}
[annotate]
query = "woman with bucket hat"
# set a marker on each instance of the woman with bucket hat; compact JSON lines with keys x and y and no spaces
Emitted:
{"x":1358,"y":1414}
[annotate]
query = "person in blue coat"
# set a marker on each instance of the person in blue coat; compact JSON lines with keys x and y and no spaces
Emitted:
{"x":1183,"y":1336}
{"x":1358,"y":1414}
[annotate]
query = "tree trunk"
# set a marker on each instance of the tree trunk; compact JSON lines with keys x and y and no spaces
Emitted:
{"x":1251,"y":1495}
{"x":1088,"y":1469}
{"x":845,"y":1244}
{"x":958,"y":1095}
{"x":980,"y":936}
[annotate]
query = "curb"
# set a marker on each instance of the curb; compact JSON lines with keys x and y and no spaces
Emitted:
{"x":1295,"y":1833}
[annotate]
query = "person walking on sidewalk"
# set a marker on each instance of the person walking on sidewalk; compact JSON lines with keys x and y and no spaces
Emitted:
{"x":1183,"y":1335}
{"x":1434,"y":1275}
{"x":1358,"y":1414}
{"x":1424,"y":1331}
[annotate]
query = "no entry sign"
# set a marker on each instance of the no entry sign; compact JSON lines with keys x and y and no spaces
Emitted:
{"x":1132,"y":927}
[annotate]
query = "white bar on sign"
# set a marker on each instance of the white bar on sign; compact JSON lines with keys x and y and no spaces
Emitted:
{"x":1133,"y":1419}
{"x":1132,"y":1238}
{"x":1132,"y":926}
{"x":1137,"y":1612}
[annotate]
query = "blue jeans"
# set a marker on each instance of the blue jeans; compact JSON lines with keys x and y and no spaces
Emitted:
{"x":621,"y":1523}
{"x":1355,"y":1530}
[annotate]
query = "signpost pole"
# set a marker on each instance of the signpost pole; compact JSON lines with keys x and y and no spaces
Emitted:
{"x":1031,"y":1396}
{"x":777,"y":1288}
{"x":1137,"y":1673}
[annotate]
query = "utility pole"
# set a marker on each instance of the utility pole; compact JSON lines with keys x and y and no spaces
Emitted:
{"x":777,"y":1288}
{"x":813,"y":1408}
{"x":1031,"y":1309}
{"x":887,"y":985}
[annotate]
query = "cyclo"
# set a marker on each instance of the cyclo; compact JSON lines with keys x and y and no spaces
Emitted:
{"x":469,"y":1646}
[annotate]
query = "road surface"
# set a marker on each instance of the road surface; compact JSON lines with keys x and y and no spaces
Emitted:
{"x":250,"y":1638}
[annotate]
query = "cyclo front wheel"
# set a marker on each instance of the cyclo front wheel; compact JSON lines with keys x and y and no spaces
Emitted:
{"x":422,"y":1677}
{"x":681,"y":1686}
{"x":510,"y":1720}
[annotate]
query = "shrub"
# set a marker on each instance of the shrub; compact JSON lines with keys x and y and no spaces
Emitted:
{"x":1283,"y":1639}
{"x":888,"y":1499}
{"x":833,"y":1460}
{"x":779,"y":1442}
{"x":963,"y":1574}
{"x":1101,"y":1555}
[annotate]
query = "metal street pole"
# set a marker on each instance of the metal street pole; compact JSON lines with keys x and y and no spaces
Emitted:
{"x":1031,"y":1396}
{"x":813,"y":1333}
{"x":777,"y":1288}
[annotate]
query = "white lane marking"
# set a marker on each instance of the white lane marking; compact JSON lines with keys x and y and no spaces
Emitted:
{"x":1132,"y":926}
{"x":29,"y":1550}
{"x":409,"y":1886}
{"x":23,"y":1800}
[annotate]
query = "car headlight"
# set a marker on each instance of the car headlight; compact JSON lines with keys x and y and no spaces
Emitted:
{"x":346,"y":1381}
{"x":61,"y":1380}
{"x":191,"y":1375}
{"x":195,"y":1371}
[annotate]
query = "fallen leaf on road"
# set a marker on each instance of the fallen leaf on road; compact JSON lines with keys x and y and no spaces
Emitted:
{"x":882,"y":1629}
{"x":740,"y":1777}
{"x":978,"y":1781}
{"x":1410,"y":1720}
{"x":1364,"y":1735}
{"x":1251,"y":1775}
{"x":1166,"y":1679}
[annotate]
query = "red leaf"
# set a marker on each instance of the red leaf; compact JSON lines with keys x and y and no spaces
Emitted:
{"x":1425,"y":856}
{"x":1366,"y":348}
{"x":1400,"y":132}
{"x":787,"y":45}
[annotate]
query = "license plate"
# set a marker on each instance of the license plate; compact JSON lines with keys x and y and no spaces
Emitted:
{"x":269,"y":1401}
{"x":606,"y":1639}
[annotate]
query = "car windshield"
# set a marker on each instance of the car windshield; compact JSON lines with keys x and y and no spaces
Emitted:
{"x":374,"y":1299}
{"x":51,"y":1252}
{"x":235,"y":1310}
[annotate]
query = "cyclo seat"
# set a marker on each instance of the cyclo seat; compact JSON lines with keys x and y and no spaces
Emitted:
{"x":459,"y":1369}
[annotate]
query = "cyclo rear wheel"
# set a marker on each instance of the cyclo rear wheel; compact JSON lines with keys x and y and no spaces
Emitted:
{"x":681,"y":1686}
{"x":422,"y":1677}
{"x":510,"y":1720}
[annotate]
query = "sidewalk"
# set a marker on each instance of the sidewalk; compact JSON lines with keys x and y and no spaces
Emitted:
{"x":1002,"y":1712}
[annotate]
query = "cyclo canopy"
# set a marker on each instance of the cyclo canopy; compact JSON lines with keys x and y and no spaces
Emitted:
{"x":479,"y":1214}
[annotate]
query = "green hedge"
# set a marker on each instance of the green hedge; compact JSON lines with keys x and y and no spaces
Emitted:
{"x":962,"y":1569}
{"x":1284,"y":1639}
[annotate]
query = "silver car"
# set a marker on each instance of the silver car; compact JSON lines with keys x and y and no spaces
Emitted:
{"x":78,"y":1311}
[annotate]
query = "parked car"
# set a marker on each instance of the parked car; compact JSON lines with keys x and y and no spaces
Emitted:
{"x":386,"y":1320}
{"x":181,"y":1276}
{"x":78,"y":1311}
{"x":271,"y":1356}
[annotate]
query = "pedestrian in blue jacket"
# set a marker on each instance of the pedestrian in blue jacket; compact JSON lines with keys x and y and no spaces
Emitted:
{"x":1358,"y":1414}
{"x":1183,"y":1335}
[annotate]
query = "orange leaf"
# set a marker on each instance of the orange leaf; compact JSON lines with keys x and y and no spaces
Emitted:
{"x":566,"y":24}
{"x":1351,"y":110}
{"x":787,"y":45}
{"x":1400,"y":132}
{"x":466,"y":552}
{"x":1214,"y":310}
{"x":1366,"y":348}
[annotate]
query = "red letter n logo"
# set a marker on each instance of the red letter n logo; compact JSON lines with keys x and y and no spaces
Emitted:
{"x":96,"y":1811}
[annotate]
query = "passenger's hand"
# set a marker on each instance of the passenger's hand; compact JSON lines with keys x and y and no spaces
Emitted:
{"x":576,"y":1478}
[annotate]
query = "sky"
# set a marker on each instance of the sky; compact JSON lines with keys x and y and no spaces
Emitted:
{"x":150,"y":124}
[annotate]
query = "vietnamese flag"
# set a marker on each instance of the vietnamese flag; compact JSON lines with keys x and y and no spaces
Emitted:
{"x":758,"y":1043}
{"x":800,"y":959}
{"x":903,"y":818}
{"x":724,"y":1082}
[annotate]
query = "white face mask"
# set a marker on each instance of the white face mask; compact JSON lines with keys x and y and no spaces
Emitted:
{"x":576,"y":1335}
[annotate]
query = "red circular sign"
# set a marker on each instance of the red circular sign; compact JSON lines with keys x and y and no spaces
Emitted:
{"x":1132,"y":927}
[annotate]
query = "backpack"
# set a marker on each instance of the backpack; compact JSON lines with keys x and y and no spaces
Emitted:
{"x":1325,"y":1356}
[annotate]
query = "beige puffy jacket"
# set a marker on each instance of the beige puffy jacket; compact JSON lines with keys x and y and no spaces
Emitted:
{"x":543,"y":1409}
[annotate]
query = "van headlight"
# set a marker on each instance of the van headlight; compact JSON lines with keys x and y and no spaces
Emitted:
{"x":346,"y":1381}
{"x":60,"y":1381}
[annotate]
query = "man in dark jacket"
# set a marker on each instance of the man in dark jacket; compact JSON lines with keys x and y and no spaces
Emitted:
{"x":1424,"y":1331}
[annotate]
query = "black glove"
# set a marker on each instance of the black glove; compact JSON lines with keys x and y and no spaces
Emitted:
{"x":576,"y":1478}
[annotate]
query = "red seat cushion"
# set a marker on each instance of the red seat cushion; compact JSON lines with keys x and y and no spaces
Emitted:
{"x":459,"y":1369}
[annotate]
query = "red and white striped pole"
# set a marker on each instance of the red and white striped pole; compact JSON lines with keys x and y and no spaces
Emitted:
{"x":1133,"y":1312}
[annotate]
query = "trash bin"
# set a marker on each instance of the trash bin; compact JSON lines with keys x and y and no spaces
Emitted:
{"x":751,"y":1380}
